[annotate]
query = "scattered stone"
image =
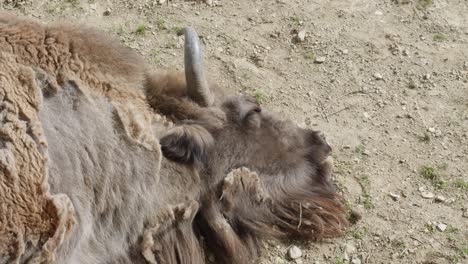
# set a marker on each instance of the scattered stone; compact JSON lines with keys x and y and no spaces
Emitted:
{"x":465,"y":213}
{"x":450,"y":201}
{"x":294,"y":252}
{"x":161,"y":2}
{"x":378,"y":76}
{"x":350,"y":248}
{"x":107,"y":12}
{"x":299,"y":261}
{"x":346,"y":257}
{"x":378,"y":13}
{"x":300,"y":37}
{"x":441,"y":227}
{"x":440,"y":199}
{"x":412,"y":84}
{"x":319,"y":59}
{"x":427,"y":195}
{"x":394,"y":196}
{"x":344,"y":51}
{"x":279,"y":260}
{"x":431,"y":129}
{"x":366,"y":115}
{"x":93,"y":7}
{"x":427,"y":76}
{"x":356,"y":260}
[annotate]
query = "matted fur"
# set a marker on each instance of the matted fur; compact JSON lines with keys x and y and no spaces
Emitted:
{"x":28,"y":211}
{"x":232,"y":173}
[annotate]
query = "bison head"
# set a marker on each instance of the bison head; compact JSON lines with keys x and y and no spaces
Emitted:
{"x":262,"y":176}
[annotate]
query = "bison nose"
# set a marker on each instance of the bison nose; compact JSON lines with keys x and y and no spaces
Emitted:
{"x":318,"y":139}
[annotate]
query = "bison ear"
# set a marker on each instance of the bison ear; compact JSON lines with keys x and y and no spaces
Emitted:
{"x":187,"y":144}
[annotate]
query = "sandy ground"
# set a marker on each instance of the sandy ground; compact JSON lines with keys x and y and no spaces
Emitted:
{"x":386,"y":80}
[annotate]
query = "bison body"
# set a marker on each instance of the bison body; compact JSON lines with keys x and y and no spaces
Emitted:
{"x":130,"y":166}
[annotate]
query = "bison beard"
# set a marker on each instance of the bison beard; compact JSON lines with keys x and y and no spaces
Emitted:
{"x":245,"y":209}
{"x":230,"y":174}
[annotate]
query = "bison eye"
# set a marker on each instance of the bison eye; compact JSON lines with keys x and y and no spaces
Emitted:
{"x":254,"y":111}
{"x":243,"y":110}
{"x":253,"y":118}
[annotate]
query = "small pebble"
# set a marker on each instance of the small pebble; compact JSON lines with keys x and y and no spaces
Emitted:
{"x":427,"y":195}
{"x":301,"y":35}
{"x":299,"y":261}
{"x":378,"y":13}
{"x":350,"y":248}
{"x":320,"y":59}
{"x":378,"y":76}
{"x":279,"y":260}
{"x":441,"y":227}
{"x":294,"y":252}
{"x":394,"y":196}
{"x":465,"y":213}
{"x":440,"y":199}
{"x":431,"y":129}
{"x":345,"y":257}
{"x":356,"y":260}
{"x":107,"y":12}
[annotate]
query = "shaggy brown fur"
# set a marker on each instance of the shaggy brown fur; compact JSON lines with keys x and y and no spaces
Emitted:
{"x":231,"y":173}
{"x":28,"y":212}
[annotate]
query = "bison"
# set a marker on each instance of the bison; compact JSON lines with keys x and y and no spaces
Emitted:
{"x":103,"y":161}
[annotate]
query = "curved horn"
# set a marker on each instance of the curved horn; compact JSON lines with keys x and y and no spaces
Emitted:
{"x":197,"y":85}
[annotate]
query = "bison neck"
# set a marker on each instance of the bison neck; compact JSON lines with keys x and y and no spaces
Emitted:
{"x":117,"y":187}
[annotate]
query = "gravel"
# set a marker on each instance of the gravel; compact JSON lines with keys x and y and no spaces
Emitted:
{"x":441,"y":227}
{"x":427,"y":195}
{"x":294,"y":252}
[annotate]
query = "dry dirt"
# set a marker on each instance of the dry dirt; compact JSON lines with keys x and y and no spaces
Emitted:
{"x":386,"y":80}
